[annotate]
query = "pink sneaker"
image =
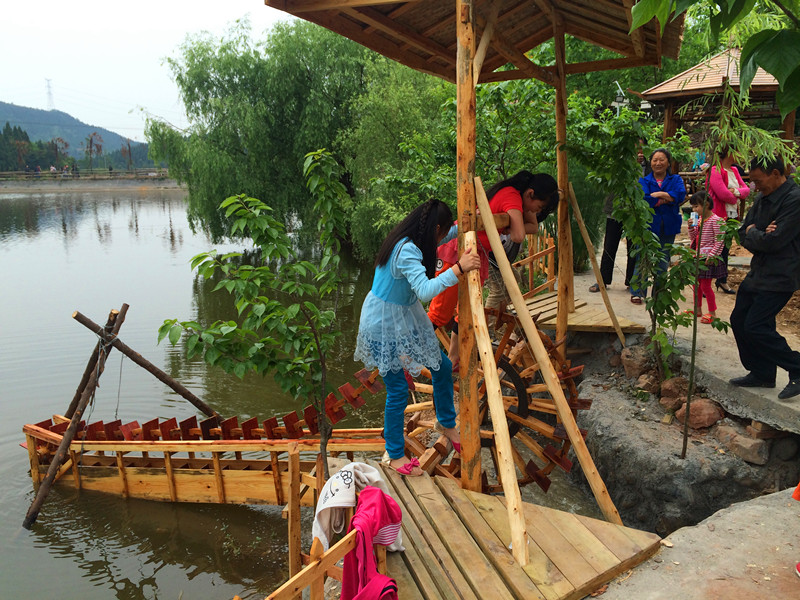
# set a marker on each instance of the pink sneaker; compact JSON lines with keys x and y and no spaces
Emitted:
{"x":797,"y":569}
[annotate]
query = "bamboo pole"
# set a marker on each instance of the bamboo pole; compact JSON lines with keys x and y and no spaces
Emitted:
{"x":465,"y":171}
{"x":548,"y":372}
{"x":145,"y":364}
{"x":566,"y":294}
{"x":508,"y":475}
{"x":69,"y":435}
{"x":595,"y":267}
{"x":113,"y":324}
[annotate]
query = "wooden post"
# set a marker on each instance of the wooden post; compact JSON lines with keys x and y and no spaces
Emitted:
{"x":508,"y":476}
{"x":33,"y":457}
{"x":295,"y":558}
{"x":788,"y":127}
{"x":113,"y":324}
{"x":465,"y":171}
{"x":595,"y":267}
{"x":547,"y":371}
{"x":317,"y":591}
{"x":566,"y":295}
{"x":145,"y":364}
{"x":61,"y":453}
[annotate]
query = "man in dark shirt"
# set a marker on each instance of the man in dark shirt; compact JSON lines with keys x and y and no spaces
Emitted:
{"x":771,"y":231}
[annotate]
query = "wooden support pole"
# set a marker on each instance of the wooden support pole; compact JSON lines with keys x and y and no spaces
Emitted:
{"x":218,"y":479}
{"x":547,"y":371}
{"x":595,"y":267}
{"x":113,"y":324}
{"x":33,"y":457}
{"x":465,"y":171}
{"x":145,"y":364}
{"x":566,"y":284}
{"x":519,"y":537}
{"x":61,"y":453}
{"x":295,"y":560}
{"x":788,"y":127}
{"x":317,"y":591}
{"x":486,"y":38}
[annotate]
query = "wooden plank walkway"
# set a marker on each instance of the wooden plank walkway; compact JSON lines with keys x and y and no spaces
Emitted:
{"x":457,"y":547}
{"x":585,"y":318}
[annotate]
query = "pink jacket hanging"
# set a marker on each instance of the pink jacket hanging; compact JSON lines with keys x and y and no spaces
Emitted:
{"x":377,"y":520}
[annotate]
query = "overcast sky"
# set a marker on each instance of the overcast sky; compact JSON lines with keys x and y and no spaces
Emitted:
{"x":104,"y":59}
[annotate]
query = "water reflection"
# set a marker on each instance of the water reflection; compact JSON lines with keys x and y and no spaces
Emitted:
{"x":92,"y":252}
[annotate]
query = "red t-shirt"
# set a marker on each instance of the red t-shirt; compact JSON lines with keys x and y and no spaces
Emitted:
{"x":508,"y":198}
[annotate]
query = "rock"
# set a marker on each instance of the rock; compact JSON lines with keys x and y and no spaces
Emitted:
{"x":672,"y":403}
{"x":785,"y":448}
{"x":614,"y":360}
{"x":725,"y":434}
{"x":750,"y":450}
{"x":675,"y":387}
{"x":647,"y":382}
{"x":635,"y":361}
{"x":704,"y":413}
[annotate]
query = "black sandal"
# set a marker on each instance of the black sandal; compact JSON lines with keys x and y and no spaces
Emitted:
{"x":594,"y":288}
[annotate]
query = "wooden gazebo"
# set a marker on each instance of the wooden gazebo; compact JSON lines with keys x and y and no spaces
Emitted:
{"x":709,"y":78}
{"x":469,"y":42}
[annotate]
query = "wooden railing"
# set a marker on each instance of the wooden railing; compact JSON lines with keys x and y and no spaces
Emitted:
{"x":95,"y":173}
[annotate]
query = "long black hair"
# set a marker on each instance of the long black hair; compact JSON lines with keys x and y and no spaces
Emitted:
{"x":543,"y":185}
{"x":420,"y":226}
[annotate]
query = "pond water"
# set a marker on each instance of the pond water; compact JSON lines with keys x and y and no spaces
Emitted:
{"x":92,"y":252}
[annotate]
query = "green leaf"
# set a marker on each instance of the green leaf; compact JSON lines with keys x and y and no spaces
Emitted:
{"x":175,"y":333}
{"x":165,"y":329}
{"x":789,"y":97}
{"x":780,"y":55}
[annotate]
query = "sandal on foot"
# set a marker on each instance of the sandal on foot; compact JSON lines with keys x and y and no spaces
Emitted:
{"x":439,"y":428}
{"x":594,"y":288}
{"x":707,"y":319}
{"x":636,"y":299}
{"x":408,"y":468}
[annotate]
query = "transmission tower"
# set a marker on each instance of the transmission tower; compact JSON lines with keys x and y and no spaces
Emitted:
{"x":50,"y":104}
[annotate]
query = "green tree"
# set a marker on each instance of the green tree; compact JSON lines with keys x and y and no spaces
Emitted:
{"x":286,"y":325}
{"x":254,"y":109}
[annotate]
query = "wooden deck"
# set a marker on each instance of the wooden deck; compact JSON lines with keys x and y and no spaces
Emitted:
{"x":457,"y":547}
{"x":585,"y":318}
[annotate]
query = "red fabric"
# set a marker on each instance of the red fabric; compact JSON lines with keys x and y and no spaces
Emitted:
{"x":443,"y":307}
{"x":706,"y":292}
{"x":377,"y":519}
{"x":796,"y":493}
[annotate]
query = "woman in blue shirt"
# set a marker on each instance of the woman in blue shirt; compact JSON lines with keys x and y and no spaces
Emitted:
{"x":664,"y":193}
{"x":395,"y":333}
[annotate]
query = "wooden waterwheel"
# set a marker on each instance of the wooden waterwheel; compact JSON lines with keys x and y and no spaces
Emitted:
{"x":539,"y":440}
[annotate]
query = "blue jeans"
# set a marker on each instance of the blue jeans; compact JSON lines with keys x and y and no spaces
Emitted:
{"x":663,"y":264}
{"x":397,"y":400}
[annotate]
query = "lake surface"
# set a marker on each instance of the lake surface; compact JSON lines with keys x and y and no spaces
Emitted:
{"x":92,"y":252}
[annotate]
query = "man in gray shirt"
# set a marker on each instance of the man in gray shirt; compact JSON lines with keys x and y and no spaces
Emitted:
{"x":771,"y":231}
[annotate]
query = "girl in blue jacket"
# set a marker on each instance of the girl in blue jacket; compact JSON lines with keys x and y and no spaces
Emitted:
{"x":395,"y":333}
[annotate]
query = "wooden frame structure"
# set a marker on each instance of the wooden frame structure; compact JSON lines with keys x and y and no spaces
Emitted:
{"x":481,"y":41}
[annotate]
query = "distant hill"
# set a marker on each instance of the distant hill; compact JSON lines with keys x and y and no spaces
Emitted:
{"x":45,"y":125}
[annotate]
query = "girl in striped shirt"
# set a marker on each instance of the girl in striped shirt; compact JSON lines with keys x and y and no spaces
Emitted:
{"x":711,"y":264}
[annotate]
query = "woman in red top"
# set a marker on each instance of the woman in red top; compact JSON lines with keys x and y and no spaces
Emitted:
{"x":527,"y":198}
{"x":726,"y":187}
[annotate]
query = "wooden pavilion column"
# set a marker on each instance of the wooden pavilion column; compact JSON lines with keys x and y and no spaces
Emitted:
{"x":566,"y":291}
{"x":788,"y":126}
{"x":467,"y":221}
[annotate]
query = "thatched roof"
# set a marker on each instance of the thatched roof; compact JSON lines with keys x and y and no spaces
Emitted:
{"x":422,"y":33}
{"x":709,"y":76}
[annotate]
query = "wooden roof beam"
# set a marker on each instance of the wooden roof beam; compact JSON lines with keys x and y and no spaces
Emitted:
{"x":302,"y":6}
{"x":637,"y":36}
{"x":515,"y":56}
{"x":380,"y":44}
{"x":405,"y":35}
{"x":532,"y":41}
{"x":609,"y":64}
{"x":486,"y":37}
{"x":599,"y":36}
